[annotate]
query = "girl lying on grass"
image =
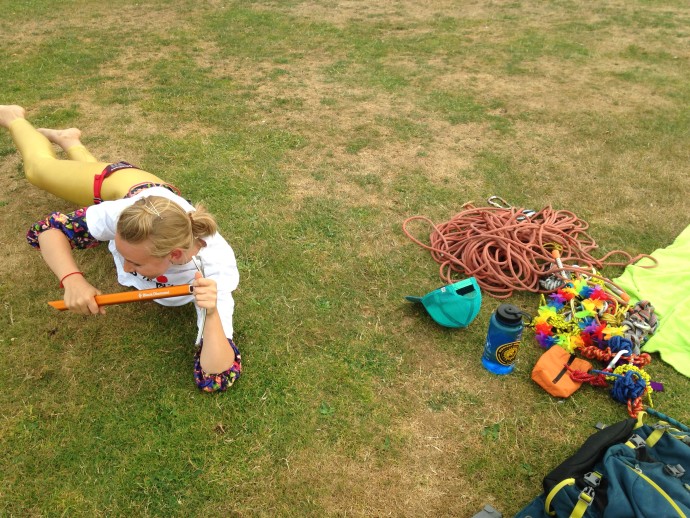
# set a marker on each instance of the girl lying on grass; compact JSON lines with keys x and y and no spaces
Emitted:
{"x":155,"y":236}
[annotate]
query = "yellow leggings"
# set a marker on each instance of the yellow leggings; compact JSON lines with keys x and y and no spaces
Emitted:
{"x":71,"y":179}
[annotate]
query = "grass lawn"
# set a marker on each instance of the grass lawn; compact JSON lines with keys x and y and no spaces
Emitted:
{"x":313,"y":129}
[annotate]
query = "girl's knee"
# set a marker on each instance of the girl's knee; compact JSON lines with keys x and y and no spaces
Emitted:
{"x":37,"y":169}
{"x":31,"y":172}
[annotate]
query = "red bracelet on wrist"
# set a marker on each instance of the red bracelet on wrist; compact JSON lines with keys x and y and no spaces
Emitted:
{"x":73,"y":273}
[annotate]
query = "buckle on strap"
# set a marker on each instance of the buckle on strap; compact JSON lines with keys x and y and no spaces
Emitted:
{"x":676,"y":471}
{"x":100,"y":178}
{"x":636,"y":442}
{"x":593,"y":479}
{"x":586,"y":495}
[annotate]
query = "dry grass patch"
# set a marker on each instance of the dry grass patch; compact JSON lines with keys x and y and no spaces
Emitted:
{"x":403,"y":12}
{"x":353,"y":138}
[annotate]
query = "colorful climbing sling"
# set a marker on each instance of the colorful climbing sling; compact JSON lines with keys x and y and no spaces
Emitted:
{"x":629,"y":469}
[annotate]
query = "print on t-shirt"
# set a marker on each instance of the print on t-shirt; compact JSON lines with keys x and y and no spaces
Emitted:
{"x":161,"y":281}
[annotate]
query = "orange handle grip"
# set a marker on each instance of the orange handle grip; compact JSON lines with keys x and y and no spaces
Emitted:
{"x":133,"y":296}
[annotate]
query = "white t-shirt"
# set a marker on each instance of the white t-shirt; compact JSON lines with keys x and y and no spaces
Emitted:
{"x":217,"y":257}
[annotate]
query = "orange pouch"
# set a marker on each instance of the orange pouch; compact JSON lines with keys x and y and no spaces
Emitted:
{"x":550,"y":372}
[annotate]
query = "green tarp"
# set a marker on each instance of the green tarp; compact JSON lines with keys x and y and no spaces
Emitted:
{"x":667,"y":287}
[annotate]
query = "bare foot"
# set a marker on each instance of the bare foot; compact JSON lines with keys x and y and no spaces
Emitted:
{"x":9,"y":113}
{"x":62,"y":137}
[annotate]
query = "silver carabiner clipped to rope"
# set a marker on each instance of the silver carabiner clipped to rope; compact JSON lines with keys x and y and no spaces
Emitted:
{"x":500,"y":203}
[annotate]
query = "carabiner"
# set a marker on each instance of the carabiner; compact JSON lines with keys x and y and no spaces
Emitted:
{"x":199,"y":263}
{"x":498,"y":202}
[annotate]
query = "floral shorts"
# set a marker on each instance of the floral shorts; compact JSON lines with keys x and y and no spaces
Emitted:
{"x":217,"y":382}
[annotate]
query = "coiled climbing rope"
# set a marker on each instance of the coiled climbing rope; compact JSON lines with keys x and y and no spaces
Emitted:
{"x":509,"y":249}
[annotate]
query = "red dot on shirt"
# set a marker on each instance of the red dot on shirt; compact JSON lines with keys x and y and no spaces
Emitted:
{"x":161,"y":278}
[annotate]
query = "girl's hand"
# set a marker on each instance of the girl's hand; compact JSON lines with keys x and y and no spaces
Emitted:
{"x":79,"y":296}
{"x":205,"y":292}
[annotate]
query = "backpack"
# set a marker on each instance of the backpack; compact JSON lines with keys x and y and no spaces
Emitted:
{"x":629,"y":469}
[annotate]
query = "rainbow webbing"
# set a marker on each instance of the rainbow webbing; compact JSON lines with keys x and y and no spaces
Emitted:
{"x":583,"y":316}
{"x":579,"y":315}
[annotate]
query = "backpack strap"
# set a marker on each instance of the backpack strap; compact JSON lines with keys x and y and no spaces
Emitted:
{"x":584,"y":500}
{"x":552,"y":494}
{"x":653,"y":438}
{"x":658,"y":429}
{"x":586,"y":496}
{"x":592,"y":481}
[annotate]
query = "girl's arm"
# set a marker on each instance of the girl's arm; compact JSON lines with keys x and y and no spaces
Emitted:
{"x":57,"y":253}
{"x":56,"y":236}
{"x":216,"y":354}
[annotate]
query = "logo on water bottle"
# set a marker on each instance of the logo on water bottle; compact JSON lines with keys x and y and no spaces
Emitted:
{"x":507,"y":353}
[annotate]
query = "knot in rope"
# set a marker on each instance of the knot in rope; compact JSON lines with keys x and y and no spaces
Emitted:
{"x":628,"y":386}
{"x":619,"y":343}
{"x":594,"y":378}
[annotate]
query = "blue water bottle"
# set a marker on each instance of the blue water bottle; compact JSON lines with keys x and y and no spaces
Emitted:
{"x":503,"y":339}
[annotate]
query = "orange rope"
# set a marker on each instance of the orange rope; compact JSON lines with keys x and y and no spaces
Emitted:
{"x":596,"y":380}
{"x":635,"y":407}
{"x":504,"y":250}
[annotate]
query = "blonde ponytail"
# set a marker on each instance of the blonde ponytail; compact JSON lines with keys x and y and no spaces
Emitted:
{"x":203,"y":223}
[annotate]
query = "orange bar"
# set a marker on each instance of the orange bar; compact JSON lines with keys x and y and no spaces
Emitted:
{"x":133,"y":296}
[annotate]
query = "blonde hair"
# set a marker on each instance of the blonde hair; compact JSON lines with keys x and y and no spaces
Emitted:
{"x":165,"y":224}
